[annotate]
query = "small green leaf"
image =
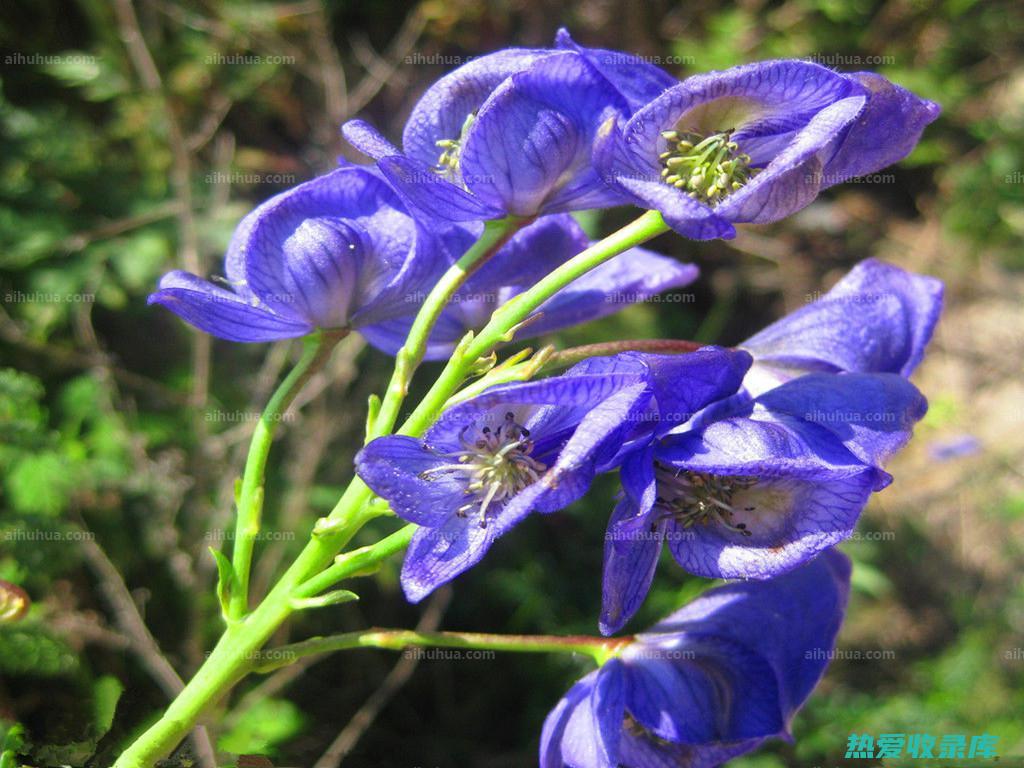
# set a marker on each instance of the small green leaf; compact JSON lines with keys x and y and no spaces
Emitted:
{"x":225,"y":577}
{"x":337,"y":597}
{"x":105,"y":694}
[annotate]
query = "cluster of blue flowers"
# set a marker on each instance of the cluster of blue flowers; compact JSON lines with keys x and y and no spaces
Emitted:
{"x":749,"y":463}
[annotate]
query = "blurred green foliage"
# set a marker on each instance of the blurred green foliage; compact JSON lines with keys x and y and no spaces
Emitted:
{"x":112,"y":426}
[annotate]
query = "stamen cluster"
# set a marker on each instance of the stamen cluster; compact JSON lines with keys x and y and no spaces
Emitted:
{"x":498,"y":463}
{"x":697,"y":497}
{"x":707,"y":169}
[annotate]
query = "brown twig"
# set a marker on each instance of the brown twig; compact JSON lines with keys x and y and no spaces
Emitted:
{"x":399,"y":675}
{"x":141,"y":641}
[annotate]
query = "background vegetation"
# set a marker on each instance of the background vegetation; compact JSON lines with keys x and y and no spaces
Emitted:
{"x":135,"y":135}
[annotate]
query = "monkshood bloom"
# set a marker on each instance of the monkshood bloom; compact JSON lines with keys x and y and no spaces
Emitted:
{"x":337,"y":252}
{"x":752,"y":488}
{"x":755,"y":143}
{"x":712,"y":681}
{"x":512,"y":132}
{"x":629,"y":278}
{"x":877,"y":319}
{"x":529,"y":447}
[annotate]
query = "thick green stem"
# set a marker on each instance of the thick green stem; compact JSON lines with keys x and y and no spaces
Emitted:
{"x":317,"y":348}
{"x":598,"y":648}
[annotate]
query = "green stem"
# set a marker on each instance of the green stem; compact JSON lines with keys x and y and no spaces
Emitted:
{"x":495,"y":235}
{"x":316,"y":350}
{"x":598,"y":648}
{"x":503,"y":323}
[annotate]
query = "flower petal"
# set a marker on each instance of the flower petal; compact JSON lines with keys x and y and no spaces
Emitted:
{"x":444,"y":107}
{"x":630,"y":560}
{"x":530,"y":148}
{"x":439,"y":554}
{"x":592,"y":734}
{"x":395,"y":466}
{"x":638,"y":81}
{"x":368,"y":140}
{"x":877,"y":319}
{"x":886,"y":132}
{"x":421,"y":186}
{"x":872,"y":414}
{"x":222,"y":313}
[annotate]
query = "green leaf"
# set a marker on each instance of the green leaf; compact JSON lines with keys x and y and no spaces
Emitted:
{"x":225,"y":578}
{"x":40,"y":483}
{"x":31,"y":650}
{"x":105,"y":694}
{"x":262,"y":728}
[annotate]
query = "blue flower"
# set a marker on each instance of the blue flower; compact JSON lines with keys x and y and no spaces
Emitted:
{"x":631,"y":277}
{"x":337,"y":252}
{"x":877,"y":319}
{"x":512,"y":133}
{"x":755,"y":143}
{"x":517,"y":448}
{"x":752,"y":488}
{"x":711,"y":682}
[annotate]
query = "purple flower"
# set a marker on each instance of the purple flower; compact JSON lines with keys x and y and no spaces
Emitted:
{"x":629,"y":278}
{"x":752,"y":488}
{"x":877,"y":319}
{"x":517,"y":448}
{"x":336,"y":252}
{"x":711,"y":682}
{"x":512,"y":133}
{"x":755,"y":143}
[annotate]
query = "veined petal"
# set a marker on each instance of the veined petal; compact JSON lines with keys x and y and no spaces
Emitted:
{"x":437,"y":555}
{"x":630,"y":560}
{"x":872,"y":414}
{"x":530,"y":147}
{"x":222,"y":313}
{"x":421,"y":186}
{"x":886,"y":132}
{"x":444,"y":107}
{"x":592,"y":733}
{"x":638,"y":81}
{"x":368,"y":140}
{"x":877,"y":319}
{"x":403,"y":471}
{"x":794,"y":177}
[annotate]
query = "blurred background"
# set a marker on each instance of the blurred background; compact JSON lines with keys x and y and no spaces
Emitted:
{"x":137,"y":134}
